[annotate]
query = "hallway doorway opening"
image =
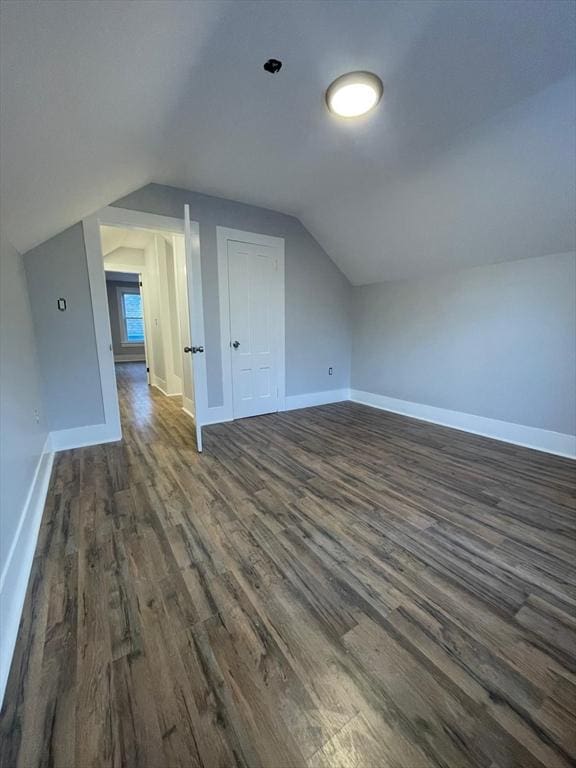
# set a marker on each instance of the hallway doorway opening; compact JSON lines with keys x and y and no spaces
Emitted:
{"x":145,"y":276}
{"x":126,"y":312}
{"x":153,"y":262}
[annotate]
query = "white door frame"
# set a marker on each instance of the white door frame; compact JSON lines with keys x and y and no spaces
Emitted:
{"x":223,"y":235}
{"x":120,"y":217}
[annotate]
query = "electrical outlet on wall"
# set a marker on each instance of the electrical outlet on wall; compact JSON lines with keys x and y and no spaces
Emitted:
{"x":36,"y":415}
{"x":330,"y":371}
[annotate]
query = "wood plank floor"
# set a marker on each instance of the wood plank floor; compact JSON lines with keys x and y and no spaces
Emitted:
{"x":329,"y":587}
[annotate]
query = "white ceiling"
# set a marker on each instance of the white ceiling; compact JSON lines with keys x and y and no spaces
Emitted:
{"x":113,"y":238}
{"x":468,"y":160}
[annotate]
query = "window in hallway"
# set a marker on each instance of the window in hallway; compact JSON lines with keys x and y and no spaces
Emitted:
{"x":132,"y":327}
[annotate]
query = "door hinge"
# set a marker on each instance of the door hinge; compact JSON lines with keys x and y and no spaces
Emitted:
{"x":140,"y":283}
{"x":147,"y":369}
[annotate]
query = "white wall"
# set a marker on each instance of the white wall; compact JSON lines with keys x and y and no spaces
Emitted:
{"x":181,"y":280}
{"x":167,"y":315}
{"x":174,"y":314}
{"x":23,"y":434}
{"x":154,"y":338}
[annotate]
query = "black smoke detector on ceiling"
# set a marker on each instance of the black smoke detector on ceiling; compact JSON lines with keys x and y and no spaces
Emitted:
{"x":273,"y":66}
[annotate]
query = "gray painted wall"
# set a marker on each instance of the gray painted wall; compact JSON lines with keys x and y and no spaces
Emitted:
{"x":120,"y":351}
{"x":495,"y":341}
{"x":318,"y":305}
{"x":66,"y":340}
{"x":21,"y":437}
{"x":318,"y":296}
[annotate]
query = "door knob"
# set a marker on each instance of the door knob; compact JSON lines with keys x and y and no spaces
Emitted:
{"x":193,"y":349}
{"x":187,"y":349}
{"x":235,"y":344}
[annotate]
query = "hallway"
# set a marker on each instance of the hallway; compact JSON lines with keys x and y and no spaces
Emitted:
{"x":139,"y":402}
{"x":336,"y":586}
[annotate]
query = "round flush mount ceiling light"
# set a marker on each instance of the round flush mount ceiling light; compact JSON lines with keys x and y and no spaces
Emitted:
{"x":354,"y":94}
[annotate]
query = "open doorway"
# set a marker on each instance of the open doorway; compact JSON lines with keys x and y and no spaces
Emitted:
{"x":126,"y":312}
{"x":147,"y":304}
{"x":149,"y":290}
{"x":154,"y":305}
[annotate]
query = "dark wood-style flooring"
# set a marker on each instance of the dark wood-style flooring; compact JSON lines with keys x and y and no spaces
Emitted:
{"x":331,"y":587}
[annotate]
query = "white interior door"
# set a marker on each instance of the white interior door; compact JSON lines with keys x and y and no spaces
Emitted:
{"x":194,"y":354}
{"x":254,"y":327}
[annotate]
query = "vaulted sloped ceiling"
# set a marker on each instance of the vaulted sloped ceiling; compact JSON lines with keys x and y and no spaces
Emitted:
{"x":113,"y":238}
{"x":468,"y":160}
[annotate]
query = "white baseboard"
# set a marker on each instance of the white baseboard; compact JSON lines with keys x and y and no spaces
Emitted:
{"x":157,"y":382}
{"x":162,"y":385}
{"x":164,"y":392}
{"x":219,"y":414}
{"x":517,"y":434}
{"x":188,"y":406}
{"x":216,"y":415}
{"x":78,"y":437}
{"x":173,"y":385}
{"x":310,"y":399}
{"x":16,"y":571}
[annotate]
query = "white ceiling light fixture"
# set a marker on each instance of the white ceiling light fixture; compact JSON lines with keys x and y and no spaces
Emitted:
{"x":354,"y":94}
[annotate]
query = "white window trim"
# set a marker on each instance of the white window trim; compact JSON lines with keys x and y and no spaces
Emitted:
{"x":120,"y":290}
